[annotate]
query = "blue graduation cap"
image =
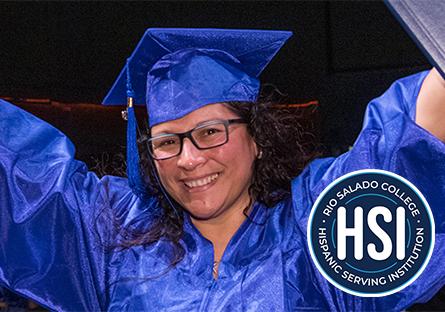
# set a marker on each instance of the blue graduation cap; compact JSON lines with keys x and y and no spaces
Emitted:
{"x":180,"y":67}
{"x":176,"y":71}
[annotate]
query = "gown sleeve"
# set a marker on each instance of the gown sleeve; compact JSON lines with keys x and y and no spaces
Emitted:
{"x":54,"y":216}
{"x":389,"y":140}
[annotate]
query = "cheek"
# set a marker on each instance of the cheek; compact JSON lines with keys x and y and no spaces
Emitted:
{"x":238,"y":156}
{"x":165,"y":171}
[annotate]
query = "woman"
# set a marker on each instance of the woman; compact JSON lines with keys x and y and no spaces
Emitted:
{"x":207,"y":241}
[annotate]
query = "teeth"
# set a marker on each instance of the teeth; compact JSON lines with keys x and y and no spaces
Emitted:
{"x":201,"y":182}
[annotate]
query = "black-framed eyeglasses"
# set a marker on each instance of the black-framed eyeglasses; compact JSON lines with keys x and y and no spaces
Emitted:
{"x":208,"y":135}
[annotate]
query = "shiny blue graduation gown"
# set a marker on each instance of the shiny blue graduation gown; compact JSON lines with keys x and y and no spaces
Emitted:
{"x":55,"y":224}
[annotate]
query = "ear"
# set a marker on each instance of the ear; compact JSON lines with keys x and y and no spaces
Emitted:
{"x":256,"y":150}
{"x":260,"y":154}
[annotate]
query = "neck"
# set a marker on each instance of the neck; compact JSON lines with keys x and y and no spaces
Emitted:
{"x":220,"y":230}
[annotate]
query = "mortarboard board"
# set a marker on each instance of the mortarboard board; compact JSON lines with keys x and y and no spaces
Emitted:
{"x":165,"y":52}
{"x":176,"y":71}
{"x":424,"y":21}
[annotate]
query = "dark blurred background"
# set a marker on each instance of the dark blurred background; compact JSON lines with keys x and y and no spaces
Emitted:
{"x":342,"y":55}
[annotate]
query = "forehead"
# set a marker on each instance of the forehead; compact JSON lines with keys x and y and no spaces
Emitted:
{"x":191,"y":120}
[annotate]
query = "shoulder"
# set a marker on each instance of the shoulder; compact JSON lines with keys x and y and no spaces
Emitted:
{"x":309,"y":184}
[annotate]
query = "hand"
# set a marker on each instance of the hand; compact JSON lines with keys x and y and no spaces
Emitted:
{"x":430,"y":111}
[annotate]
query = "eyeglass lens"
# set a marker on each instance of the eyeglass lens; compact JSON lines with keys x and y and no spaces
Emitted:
{"x":205,"y":136}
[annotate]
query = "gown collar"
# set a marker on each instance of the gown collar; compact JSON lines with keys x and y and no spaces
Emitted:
{"x":199,"y":250}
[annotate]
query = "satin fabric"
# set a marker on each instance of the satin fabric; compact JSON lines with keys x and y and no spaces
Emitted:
{"x":189,"y":79}
{"x":56,"y":219}
{"x":237,"y":56}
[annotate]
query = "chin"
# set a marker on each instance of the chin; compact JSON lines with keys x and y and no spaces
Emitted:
{"x":201,"y":217}
{"x":201,"y":212}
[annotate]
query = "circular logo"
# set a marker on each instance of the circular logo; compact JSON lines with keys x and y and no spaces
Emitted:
{"x":371,"y":233}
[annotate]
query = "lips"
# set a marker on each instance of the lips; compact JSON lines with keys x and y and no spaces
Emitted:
{"x":199,"y":182}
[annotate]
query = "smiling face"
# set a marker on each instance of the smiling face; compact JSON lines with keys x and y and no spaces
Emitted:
{"x":209,"y":183}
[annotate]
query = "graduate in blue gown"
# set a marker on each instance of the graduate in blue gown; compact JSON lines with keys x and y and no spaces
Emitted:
{"x":193,"y":229}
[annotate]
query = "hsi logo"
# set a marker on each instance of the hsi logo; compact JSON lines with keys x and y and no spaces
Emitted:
{"x":371,"y":233}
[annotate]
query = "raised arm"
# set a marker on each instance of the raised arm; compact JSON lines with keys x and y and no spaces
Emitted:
{"x":430,"y":111}
{"x":392,"y":141}
{"x":55,"y":216}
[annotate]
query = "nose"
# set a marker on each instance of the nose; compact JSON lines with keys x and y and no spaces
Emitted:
{"x":190,"y":157}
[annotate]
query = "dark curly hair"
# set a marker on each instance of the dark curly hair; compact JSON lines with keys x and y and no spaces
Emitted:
{"x":286,"y":149}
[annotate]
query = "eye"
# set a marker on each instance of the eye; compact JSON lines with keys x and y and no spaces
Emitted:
{"x":164,"y":142}
{"x":167,"y":142}
{"x":210,"y":131}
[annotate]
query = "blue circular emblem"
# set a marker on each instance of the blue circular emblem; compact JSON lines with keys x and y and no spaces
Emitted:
{"x":371,"y":233}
